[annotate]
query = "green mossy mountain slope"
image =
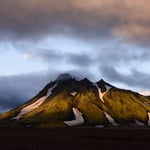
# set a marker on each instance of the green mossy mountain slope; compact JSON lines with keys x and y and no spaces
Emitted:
{"x":100,"y":104}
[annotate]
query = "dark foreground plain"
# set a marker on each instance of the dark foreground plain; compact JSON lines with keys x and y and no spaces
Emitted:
{"x":74,"y":139}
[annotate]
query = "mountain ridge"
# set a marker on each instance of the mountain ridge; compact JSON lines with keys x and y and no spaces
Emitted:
{"x":68,"y":101}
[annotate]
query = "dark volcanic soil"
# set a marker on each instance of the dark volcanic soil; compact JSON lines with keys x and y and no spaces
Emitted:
{"x":74,"y":139}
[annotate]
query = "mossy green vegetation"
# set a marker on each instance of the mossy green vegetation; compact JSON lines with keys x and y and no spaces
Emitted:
{"x":123,"y":106}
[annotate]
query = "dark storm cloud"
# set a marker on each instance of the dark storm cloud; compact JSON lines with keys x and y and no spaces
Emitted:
{"x":7,"y":103}
{"x":134,"y":79}
{"x":125,"y":19}
{"x":15,"y":90}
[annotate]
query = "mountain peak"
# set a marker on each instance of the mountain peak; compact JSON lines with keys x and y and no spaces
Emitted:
{"x":103,"y":85}
{"x":64,"y":77}
{"x":85,"y":81}
{"x":102,"y":81}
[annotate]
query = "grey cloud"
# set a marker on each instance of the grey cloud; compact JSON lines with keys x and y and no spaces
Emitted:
{"x":81,"y":60}
{"x":110,"y":73}
{"x":93,"y":20}
{"x":50,"y":56}
{"x":120,"y":54}
{"x":80,"y":74}
{"x":40,"y":17}
{"x":116,"y":57}
{"x":9,"y":102}
{"x":134,"y":79}
{"x":53,"y":56}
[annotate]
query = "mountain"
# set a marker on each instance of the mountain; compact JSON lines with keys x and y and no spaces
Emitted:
{"x":68,"y":101}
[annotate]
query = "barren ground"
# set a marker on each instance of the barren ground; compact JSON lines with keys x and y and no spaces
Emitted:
{"x":74,"y":139}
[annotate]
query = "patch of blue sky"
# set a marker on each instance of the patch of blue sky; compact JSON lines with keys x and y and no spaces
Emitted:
{"x":12,"y":63}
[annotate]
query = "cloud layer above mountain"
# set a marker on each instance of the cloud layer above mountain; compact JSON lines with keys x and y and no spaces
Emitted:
{"x":125,"y":19}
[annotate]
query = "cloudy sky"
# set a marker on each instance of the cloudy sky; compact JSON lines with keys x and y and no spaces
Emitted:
{"x":40,"y":39}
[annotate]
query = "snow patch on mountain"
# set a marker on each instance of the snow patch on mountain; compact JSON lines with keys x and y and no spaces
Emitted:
{"x":110,"y":119}
{"x":73,"y":93}
{"x":148,"y":123}
{"x":34,"y":105}
{"x":30,"y":107}
{"x":101,"y":94}
{"x":49,"y":91}
{"x":139,"y":123}
{"x":107,"y":88}
{"x":145,"y":93}
{"x":79,"y":120}
{"x":146,"y":103}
